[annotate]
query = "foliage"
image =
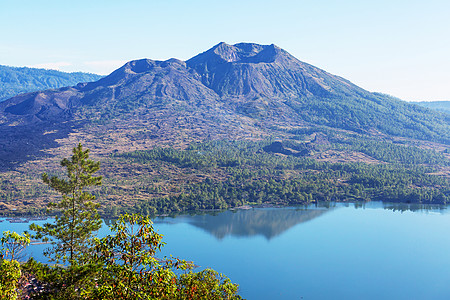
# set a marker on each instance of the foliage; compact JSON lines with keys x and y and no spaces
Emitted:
{"x":126,"y":266}
{"x":14,"y":81}
{"x":133,"y":271}
{"x":127,"y":257}
{"x":238,"y":173}
{"x":9,"y":277}
{"x":52,"y":282}
{"x":53,"y":278}
{"x":390,"y":152}
{"x":374,"y":111}
{"x":14,"y":244}
{"x":122,"y":266}
{"x":443,"y":106}
{"x":75,"y":225}
{"x":206,"y":284}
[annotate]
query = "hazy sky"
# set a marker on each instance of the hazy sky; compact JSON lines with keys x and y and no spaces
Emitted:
{"x":397,"y":47}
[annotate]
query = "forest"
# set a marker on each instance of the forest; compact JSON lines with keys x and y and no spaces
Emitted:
{"x":306,"y":165}
{"x":14,"y":81}
{"x":236,"y":173}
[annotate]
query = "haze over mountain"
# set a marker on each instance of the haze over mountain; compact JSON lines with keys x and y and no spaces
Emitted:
{"x":443,"y":106}
{"x":227,"y":92}
{"x":14,"y":81}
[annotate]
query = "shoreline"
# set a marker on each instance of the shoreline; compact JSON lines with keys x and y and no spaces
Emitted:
{"x":17,"y":217}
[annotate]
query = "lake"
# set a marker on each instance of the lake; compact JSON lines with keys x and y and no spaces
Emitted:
{"x":338,"y":251}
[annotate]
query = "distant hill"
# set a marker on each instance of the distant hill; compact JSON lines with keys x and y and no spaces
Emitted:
{"x":443,"y":106}
{"x":14,"y":81}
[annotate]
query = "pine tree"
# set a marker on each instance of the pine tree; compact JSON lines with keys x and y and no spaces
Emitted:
{"x":77,"y":220}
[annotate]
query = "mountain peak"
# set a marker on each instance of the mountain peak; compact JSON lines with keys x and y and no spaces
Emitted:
{"x":238,"y":53}
{"x":260,"y":82}
{"x":226,"y":52}
{"x":135,"y":67}
{"x":253,"y":70}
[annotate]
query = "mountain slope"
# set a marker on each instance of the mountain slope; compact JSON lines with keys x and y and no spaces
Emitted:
{"x":242,"y":91}
{"x":255,"y":70}
{"x":255,"y":81}
{"x":14,"y":81}
{"x":247,"y":122}
{"x":258,"y":79}
{"x":443,"y":106}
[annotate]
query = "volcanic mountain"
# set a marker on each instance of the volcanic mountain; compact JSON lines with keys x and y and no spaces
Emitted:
{"x":236,"y":91}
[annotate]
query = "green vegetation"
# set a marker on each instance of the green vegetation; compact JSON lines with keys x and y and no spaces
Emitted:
{"x":14,"y":244}
{"x":14,"y":81}
{"x":131,"y":270}
{"x":379,"y":112}
{"x":443,"y":106}
{"x":9,"y":276}
{"x":125,"y":265}
{"x":311,"y":163}
{"x":120,"y":266}
{"x":79,"y":220}
{"x":237,"y":173}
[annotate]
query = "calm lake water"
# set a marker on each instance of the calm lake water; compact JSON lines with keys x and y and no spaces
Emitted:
{"x":378,"y":251}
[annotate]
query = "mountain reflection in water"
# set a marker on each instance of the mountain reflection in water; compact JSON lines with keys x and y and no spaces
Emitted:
{"x":268,"y":222}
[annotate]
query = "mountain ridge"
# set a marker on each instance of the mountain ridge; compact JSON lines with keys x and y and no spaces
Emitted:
{"x":17,"y":80}
{"x":443,"y":106}
{"x":250,"y":121}
{"x":241,"y":91}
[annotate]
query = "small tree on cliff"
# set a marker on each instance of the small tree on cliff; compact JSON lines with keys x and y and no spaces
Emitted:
{"x":75,"y":226}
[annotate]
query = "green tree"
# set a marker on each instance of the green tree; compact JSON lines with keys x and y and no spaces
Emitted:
{"x":77,"y":219}
{"x":14,"y":244}
{"x":132,"y":270}
{"x":9,"y":277}
{"x":206,"y":284}
{"x":122,"y":266}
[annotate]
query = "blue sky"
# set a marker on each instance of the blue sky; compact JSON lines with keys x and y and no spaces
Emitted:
{"x":401,"y":48}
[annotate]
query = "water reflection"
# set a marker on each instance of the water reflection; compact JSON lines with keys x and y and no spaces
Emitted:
{"x":271,"y":222}
{"x":398,"y":207}
{"x":415,"y":207}
{"x":268,"y":222}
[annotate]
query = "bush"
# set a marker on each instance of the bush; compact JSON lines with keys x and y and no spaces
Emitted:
{"x":9,"y":277}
